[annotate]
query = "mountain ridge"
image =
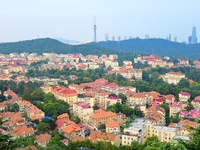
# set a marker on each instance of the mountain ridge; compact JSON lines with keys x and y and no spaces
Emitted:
{"x":141,"y":46}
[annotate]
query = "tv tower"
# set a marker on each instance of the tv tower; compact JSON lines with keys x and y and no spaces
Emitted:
{"x":95,"y":29}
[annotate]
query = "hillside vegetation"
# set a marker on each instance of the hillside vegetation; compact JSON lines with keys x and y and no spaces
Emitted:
{"x":155,"y":46}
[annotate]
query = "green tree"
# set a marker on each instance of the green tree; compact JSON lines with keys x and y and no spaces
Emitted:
{"x":6,"y":142}
{"x":37,"y":95}
{"x":183,"y":83}
{"x":123,"y":97}
{"x":77,"y":120}
{"x":43,"y":128}
{"x":96,"y":107}
{"x":167,"y":117}
{"x":2,"y":98}
{"x":13,"y":107}
{"x":26,"y":94}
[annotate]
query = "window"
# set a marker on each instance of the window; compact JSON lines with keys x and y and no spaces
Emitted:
{"x":124,"y":137}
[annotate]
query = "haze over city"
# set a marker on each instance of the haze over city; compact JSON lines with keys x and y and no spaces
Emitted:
{"x":74,"y":20}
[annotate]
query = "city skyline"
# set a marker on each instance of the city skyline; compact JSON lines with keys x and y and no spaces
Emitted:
{"x":24,"y":20}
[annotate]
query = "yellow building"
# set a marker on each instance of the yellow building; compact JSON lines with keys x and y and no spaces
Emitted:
{"x":109,"y":101}
{"x":108,"y":137}
{"x":175,"y":108}
{"x":173,"y":77}
{"x":101,"y":117}
{"x":164,"y":134}
{"x":82,"y":110}
{"x":112,"y":127}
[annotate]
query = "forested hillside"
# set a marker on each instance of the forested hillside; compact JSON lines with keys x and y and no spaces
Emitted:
{"x":155,"y":46}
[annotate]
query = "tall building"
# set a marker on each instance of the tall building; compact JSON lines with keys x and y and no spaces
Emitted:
{"x":95,"y":29}
{"x":170,"y":37}
{"x":175,"y":39}
{"x":106,"y":37}
{"x":193,"y":39}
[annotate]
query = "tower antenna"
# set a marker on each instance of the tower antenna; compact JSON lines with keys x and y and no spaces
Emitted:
{"x":95,"y":29}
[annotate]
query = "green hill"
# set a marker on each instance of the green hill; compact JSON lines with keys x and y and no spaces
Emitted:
{"x":50,"y":45}
{"x":150,"y":46}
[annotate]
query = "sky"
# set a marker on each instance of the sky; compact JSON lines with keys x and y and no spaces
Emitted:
{"x":74,"y":19}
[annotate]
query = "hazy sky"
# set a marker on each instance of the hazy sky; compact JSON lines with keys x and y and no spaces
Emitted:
{"x":73,"y":19}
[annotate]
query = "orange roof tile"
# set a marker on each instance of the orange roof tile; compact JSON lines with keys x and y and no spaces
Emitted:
{"x":95,"y":135}
{"x":42,"y":138}
{"x":112,"y":124}
{"x":102,"y":114}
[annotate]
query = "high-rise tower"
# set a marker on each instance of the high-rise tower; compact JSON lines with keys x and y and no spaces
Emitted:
{"x":95,"y":29}
{"x":193,"y":39}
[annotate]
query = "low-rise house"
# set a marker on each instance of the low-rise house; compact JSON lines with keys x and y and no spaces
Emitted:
{"x":196,"y":102}
{"x":194,"y":113}
{"x":173,"y":77}
{"x":22,"y":132}
{"x":175,"y":108}
{"x":112,"y":127}
{"x":43,"y":139}
{"x":64,"y":116}
{"x":101,"y":136}
{"x":156,"y":114}
{"x":170,"y":98}
{"x":101,"y":117}
{"x":70,"y":131}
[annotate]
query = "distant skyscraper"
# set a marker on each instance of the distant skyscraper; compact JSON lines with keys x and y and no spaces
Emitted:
{"x":119,"y":38}
{"x":113,"y":38}
{"x":193,"y":39}
{"x":106,"y":37}
{"x":95,"y":29}
{"x":175,"y":39}
{"x":170,"y":37}
{"x":146,"y":36}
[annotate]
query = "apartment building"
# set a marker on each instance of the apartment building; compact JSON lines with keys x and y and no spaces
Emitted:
{"x":135,"y":132}
{"x":111,"y":100}
{"x":82,"y":110}
{"x":164,"y":134}
{"x":175,"y":108}
{"x":101,"y":117}
{"x":173,"y":77}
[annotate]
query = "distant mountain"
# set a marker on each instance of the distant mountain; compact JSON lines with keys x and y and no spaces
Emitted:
{"x":51,"y":45}
{"x":70,"y":42}
{"x":154,"y":46}
{"x":149,"y":46}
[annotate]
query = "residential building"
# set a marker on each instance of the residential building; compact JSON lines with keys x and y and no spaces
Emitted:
{"x":196,"y":102}
{"x":156,"y":114}
{"x":22,"y":132}
{"x":101,"y":117}
{"x":112,"y":127}
{"x":184,"y":97}
{"x":164,"y":134}
{"x":108,"y":137}
{"x":43,"y":139}
{"x":173,"y":77}
{"x":82,"y":110}
{"x":175,"y":108}
{"x":111,"y":100}
{"x":135,"y":132}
